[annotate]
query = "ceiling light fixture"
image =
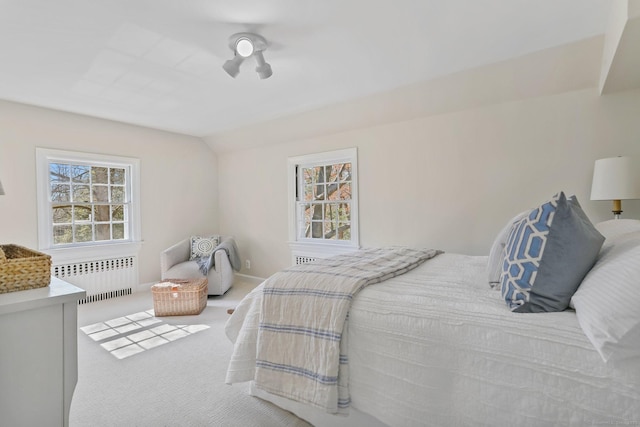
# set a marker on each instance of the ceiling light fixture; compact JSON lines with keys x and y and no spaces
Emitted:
{"x":243,"y":46}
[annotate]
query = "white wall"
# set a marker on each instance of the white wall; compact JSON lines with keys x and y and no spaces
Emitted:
{"x":178,"y":175}
{"x":447,"y":176}
{"x":447,"y":180}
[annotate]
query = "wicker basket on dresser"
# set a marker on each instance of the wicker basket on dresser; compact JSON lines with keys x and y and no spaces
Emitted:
{"x":22,"y":268}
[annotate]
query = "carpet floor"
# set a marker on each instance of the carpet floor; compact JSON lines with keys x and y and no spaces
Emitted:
{"x":135,"y":369}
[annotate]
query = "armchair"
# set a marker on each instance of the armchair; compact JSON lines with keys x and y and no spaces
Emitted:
{"x":175,"y":264}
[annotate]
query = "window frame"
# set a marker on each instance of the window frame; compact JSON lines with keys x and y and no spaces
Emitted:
{"x":316,"y":246}
{"x":94,"y":249}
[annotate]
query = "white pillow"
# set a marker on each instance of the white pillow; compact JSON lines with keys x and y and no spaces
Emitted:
{"x":496,"y":255}
{"x":616,"y":227}
{"x":607,"y":303}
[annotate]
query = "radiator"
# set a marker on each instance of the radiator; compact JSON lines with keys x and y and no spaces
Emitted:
{"x":101,"y":279}
{"x":303,"y":259}
{"x":303,"y":255}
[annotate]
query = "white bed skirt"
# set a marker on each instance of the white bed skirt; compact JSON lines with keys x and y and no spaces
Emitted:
{"x":315,"y":416}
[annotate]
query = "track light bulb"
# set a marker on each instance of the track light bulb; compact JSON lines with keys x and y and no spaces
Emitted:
{"x":232,"y":66}
{"x":244,"y":47}
{"x":263,"y":69}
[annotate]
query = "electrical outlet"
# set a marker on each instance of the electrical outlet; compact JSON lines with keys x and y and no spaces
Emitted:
{"x":247,"y":264}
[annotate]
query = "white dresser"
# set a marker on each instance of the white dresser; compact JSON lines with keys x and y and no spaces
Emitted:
{"x":38,"y":354}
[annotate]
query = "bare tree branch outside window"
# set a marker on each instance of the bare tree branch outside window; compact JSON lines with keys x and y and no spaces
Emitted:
{"x":327,"y":201}
{"x":88,"y":203}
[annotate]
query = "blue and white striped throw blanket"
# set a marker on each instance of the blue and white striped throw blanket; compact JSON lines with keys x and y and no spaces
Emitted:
{"x":301,"y":350}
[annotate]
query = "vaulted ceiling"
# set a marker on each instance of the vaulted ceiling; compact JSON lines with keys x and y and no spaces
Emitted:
{"x":158,"y":63}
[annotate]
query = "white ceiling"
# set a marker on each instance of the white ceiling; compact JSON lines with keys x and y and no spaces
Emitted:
{"x":157,"y":63}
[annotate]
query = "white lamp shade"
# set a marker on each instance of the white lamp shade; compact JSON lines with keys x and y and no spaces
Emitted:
{"x":616,"y":178}
{"x":1,"y":189}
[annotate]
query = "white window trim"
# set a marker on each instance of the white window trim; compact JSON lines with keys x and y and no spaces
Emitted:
{"x":318,"y":247}
{"x":85,"y":252}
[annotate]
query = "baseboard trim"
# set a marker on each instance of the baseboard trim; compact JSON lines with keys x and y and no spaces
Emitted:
{"x":252,"y":279}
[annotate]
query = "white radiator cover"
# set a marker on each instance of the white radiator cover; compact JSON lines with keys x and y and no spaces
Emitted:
{"x":101,"y":279}
{"x":302,"y":253}
{"x":303,"y":259}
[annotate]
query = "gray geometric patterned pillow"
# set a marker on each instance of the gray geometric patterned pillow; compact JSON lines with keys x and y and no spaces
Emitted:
{"x":203,"y":246}
{"x":547,"y":255}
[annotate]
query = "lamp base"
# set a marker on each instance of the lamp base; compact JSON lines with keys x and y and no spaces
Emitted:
{"x":617,"y":208}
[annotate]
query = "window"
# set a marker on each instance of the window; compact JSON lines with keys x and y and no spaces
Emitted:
{"x":325,"y":205}
{"x":323,"y":200}
{"x":88,"y":203}
{"x":86,"y":199}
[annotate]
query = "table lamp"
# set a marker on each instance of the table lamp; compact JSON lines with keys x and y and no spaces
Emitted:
{"x":617,"y":179}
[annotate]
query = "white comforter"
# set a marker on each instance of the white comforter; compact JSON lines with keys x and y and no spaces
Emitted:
{"x":302,"y":353}
{"x":436,"y":346}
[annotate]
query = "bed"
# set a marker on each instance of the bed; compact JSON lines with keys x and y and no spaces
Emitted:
{"x":438,"y":346}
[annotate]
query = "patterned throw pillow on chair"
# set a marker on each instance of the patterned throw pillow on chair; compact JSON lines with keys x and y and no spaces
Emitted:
{"x":203,"y":246}
{"x":547,"y":255}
